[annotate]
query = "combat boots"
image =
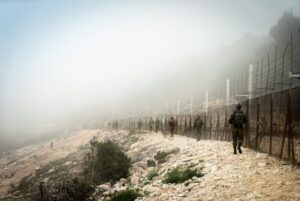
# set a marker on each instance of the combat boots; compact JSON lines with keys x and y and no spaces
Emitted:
{"x":234,"y":150}
{"x":240,"y":149}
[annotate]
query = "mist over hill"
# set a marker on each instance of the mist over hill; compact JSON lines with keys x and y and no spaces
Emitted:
{"x":65,"y":70}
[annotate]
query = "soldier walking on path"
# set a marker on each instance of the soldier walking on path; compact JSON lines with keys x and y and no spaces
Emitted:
{"x":140,"y":124}
{"x":198,"y":124}
{"x":151,"y":123}
{"x":116,"y":125}
{"x":172,"y":124}
{"x":237,"y":119}
{"x":157,"y":123}
{"x":51,"y":145}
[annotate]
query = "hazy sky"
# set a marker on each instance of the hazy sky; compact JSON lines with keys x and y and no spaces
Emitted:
{"x":62,"y":57}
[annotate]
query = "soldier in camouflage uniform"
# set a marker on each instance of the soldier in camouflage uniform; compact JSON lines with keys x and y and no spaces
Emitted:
{"x":237,"y":119}
{"x":172,"y":124}
{"x":116,"y":125}
{"x":157,"y":123}
{"x":140,"y":124}
{"x":198,"y":124}
{"x":151,"y":123}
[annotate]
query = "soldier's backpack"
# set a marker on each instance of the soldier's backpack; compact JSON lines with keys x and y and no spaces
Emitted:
{"x":172,"y":122}
{"x":238,"y":119}
{"x":198,"y":123}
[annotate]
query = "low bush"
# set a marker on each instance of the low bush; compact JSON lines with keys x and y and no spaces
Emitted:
{"x":161,"y":156}
{"x":131,"y":137}
{"x":125,"y":195}
{"x":152,"y":174}
{"x":106,"y":162}
{"x":77,"y":190}
{"x":151,"y":163}
{"x":177,"y":176}
{"x":131,"y":132}
{"x":192,"y":165}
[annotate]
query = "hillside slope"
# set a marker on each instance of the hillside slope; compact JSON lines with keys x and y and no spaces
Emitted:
{"x":247,"y":176}
{"x":25,"y":161}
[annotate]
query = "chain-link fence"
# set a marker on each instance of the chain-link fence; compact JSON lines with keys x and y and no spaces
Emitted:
{"x":270,"y":96}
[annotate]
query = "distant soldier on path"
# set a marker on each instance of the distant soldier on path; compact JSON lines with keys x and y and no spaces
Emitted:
{"x":151,"y":123}
{"x":157,"y":123}
{"x":198,"y":124}
{"x":116,"y":125}
{"x":172,"y":124}
{"x":237,"y":119}
{"x":51,"y":145}
{"x":140,"y":124}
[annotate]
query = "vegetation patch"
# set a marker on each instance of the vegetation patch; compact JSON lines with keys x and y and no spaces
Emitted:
{"x":177,"y":175}
{"x":76,"y":189}
{"x":151,"y":163}
{"x":192,"y":165}
{"x":131,"y":132}
{"x":152,"y":174}
{"x":126,"y":195}
{"x":62,"y":180}
{"x":130,"y":138}
{"x":27,"y":184}
{"x":106,"y":162}
{"x":53,"y":171}
{"x":161,"y":156}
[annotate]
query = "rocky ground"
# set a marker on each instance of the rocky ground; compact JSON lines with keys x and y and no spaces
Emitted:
{"x":247,"y":176}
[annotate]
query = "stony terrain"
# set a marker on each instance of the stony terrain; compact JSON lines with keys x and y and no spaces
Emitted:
{"x":247,"y":176}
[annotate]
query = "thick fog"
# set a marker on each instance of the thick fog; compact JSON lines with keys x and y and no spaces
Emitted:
{"x":63,"y":63}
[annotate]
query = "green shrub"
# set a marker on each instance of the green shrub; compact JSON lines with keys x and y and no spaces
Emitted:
{"x":151,"y":163}
{"x":131,"y":132}
{"x":177,"y":176}
{"x":131,"y":137}
{"x":76,"y":189}
{"x":192,"y":165}
{"x":151,"y":175}
{"x":79,"y":189}
{"x":161,"y":156}
{"x":126,"y":195}
{"x":26,"y":184}
{"x":107,"y":162}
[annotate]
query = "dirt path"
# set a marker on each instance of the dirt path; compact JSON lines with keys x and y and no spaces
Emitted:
{"x":25,"y":161}
{"x":248,"y":176}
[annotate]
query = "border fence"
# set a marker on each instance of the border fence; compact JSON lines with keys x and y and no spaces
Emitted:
{"x":270,"y":97}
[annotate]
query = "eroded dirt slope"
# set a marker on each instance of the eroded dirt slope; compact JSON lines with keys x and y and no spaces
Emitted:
{"x":22,"y":162}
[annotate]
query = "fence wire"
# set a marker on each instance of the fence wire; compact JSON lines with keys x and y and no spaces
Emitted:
{"x":273,"y":109}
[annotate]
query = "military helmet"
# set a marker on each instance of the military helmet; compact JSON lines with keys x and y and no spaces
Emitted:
{"x":238,"y":106}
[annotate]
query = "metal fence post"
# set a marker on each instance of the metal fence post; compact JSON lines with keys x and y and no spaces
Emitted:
{"x":271,"y":124}
{"x":247,"y":125}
